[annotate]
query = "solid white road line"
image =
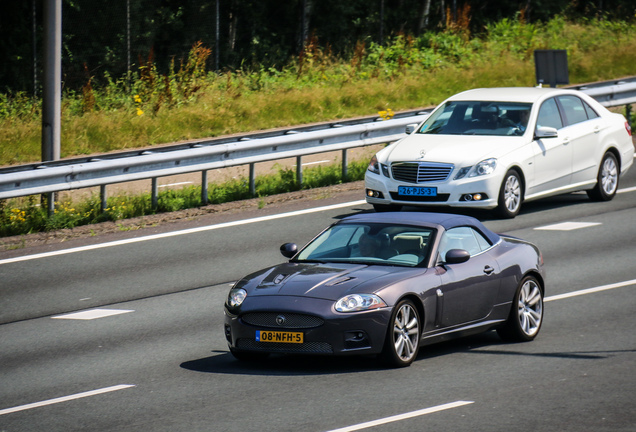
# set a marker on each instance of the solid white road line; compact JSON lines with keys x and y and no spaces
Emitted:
{"x":631,"y":189}
{"x":403,"y":416}
{"x":65,"y":398}
{"x":182,"y":232}
{"x":590,"y":290}
{"x":92,"y":314}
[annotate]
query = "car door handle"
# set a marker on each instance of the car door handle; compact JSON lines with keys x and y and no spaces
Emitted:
{"x":597,"y":129}
{"x":488,"y":270}
{"x":566,"y":141}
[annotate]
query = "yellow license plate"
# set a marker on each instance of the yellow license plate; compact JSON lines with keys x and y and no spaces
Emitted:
{"x":279,"y":336}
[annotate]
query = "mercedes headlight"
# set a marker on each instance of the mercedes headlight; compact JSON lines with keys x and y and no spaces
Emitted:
{"x":484,"y":167}
{"x":374,"y":166}
{"x":359,"y":302}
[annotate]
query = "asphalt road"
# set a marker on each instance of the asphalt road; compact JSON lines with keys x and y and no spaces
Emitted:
{"x":159,"y":361}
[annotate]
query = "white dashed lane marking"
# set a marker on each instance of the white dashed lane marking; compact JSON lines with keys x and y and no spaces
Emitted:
{"x":567,"y":226}
{"x":404,"y":416}
{"x":92,"y":314}
{"x":65,"y":399}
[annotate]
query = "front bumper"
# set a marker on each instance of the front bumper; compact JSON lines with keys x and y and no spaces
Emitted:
{"x":325,"y":331}
{"x":451,"y":193}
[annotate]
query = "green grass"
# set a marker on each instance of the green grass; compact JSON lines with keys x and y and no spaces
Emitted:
{"x":190,"y":103}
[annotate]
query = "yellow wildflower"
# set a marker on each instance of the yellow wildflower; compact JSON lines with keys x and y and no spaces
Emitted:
{"x":387,"y":115}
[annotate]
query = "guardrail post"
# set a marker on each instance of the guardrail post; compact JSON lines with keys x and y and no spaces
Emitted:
{"x":204,"y":188}
{"x":49,"y":200}
{"x":103,"y":198}
{"x":345,"y":169}
{"x":628,"y":116}
{"x":154,"y":194}
{"x":252,"y":181}
{"x":299,"y":171}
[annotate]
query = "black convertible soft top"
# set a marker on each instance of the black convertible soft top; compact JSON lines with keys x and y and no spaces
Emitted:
{"x":444,"y":220}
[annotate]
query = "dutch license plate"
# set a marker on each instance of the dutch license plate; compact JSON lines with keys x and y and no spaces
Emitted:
{"x":417,"y":191}
{"x":279,"y":336}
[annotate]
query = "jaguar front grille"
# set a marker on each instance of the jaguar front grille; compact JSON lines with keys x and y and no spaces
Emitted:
{"x":282,"y":320}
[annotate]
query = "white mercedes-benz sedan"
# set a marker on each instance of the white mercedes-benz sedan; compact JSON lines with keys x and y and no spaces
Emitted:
{"x":496,"y":148}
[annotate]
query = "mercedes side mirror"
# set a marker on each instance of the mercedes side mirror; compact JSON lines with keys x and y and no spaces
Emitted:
{"x":410,"y":128}
{"x":545,"y":132}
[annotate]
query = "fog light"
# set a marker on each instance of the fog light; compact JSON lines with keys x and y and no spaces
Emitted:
{"x":474,"y":197}
{"x":374,"y":194}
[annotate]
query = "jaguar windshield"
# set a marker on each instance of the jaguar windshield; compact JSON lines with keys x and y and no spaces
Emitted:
{"x":371,"y":243}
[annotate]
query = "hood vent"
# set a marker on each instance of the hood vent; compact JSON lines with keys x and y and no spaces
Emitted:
{"x":340,"y":281}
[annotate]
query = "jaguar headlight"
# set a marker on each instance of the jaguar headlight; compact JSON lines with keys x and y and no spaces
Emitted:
{"x":359,"y":302}
{"x":236,"y":297}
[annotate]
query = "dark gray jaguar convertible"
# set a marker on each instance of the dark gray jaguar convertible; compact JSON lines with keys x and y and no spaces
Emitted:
{"x":388,"y":283}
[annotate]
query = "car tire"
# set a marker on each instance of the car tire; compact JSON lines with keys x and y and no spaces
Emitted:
{"x":402,"y":341}
{"x":248,"y":355}
{"x":606,"y":180}
{"x":526,"y":314}
{"x":386,"y":207}
{"x":510,"y":195}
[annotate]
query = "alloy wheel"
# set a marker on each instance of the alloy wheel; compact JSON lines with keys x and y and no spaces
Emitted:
{"x":406,"y":332}
{"x":530,"y":305}
{"x":609,"y":176}
{"x":512,"y":193}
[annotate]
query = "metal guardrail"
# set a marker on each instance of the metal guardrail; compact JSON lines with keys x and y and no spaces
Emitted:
{"x":204,"y":155}
{"x":199,"y":156}
{"x":611,"y":93}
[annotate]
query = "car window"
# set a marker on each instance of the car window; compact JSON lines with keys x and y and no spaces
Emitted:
{"x":478,"y":118}
{"x":462,"y":238}
{"x":549,"y":115}
{"x":591,"y":114}
{"x":573,"y":109}
{"x":373,"y":243}
{"x":336,"y":238}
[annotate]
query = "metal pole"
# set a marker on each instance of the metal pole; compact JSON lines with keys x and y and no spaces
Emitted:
{"x":345,"y":170}
{"x":154,"y":194}
{"x":252,"y":180}
{"x":204,"y":188}
{"x":299,"y":171}
{"x":52,"y":95}
{"x":103,"y":197}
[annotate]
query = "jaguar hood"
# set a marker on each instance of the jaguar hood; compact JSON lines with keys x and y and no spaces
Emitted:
{"x":325,"y":281}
